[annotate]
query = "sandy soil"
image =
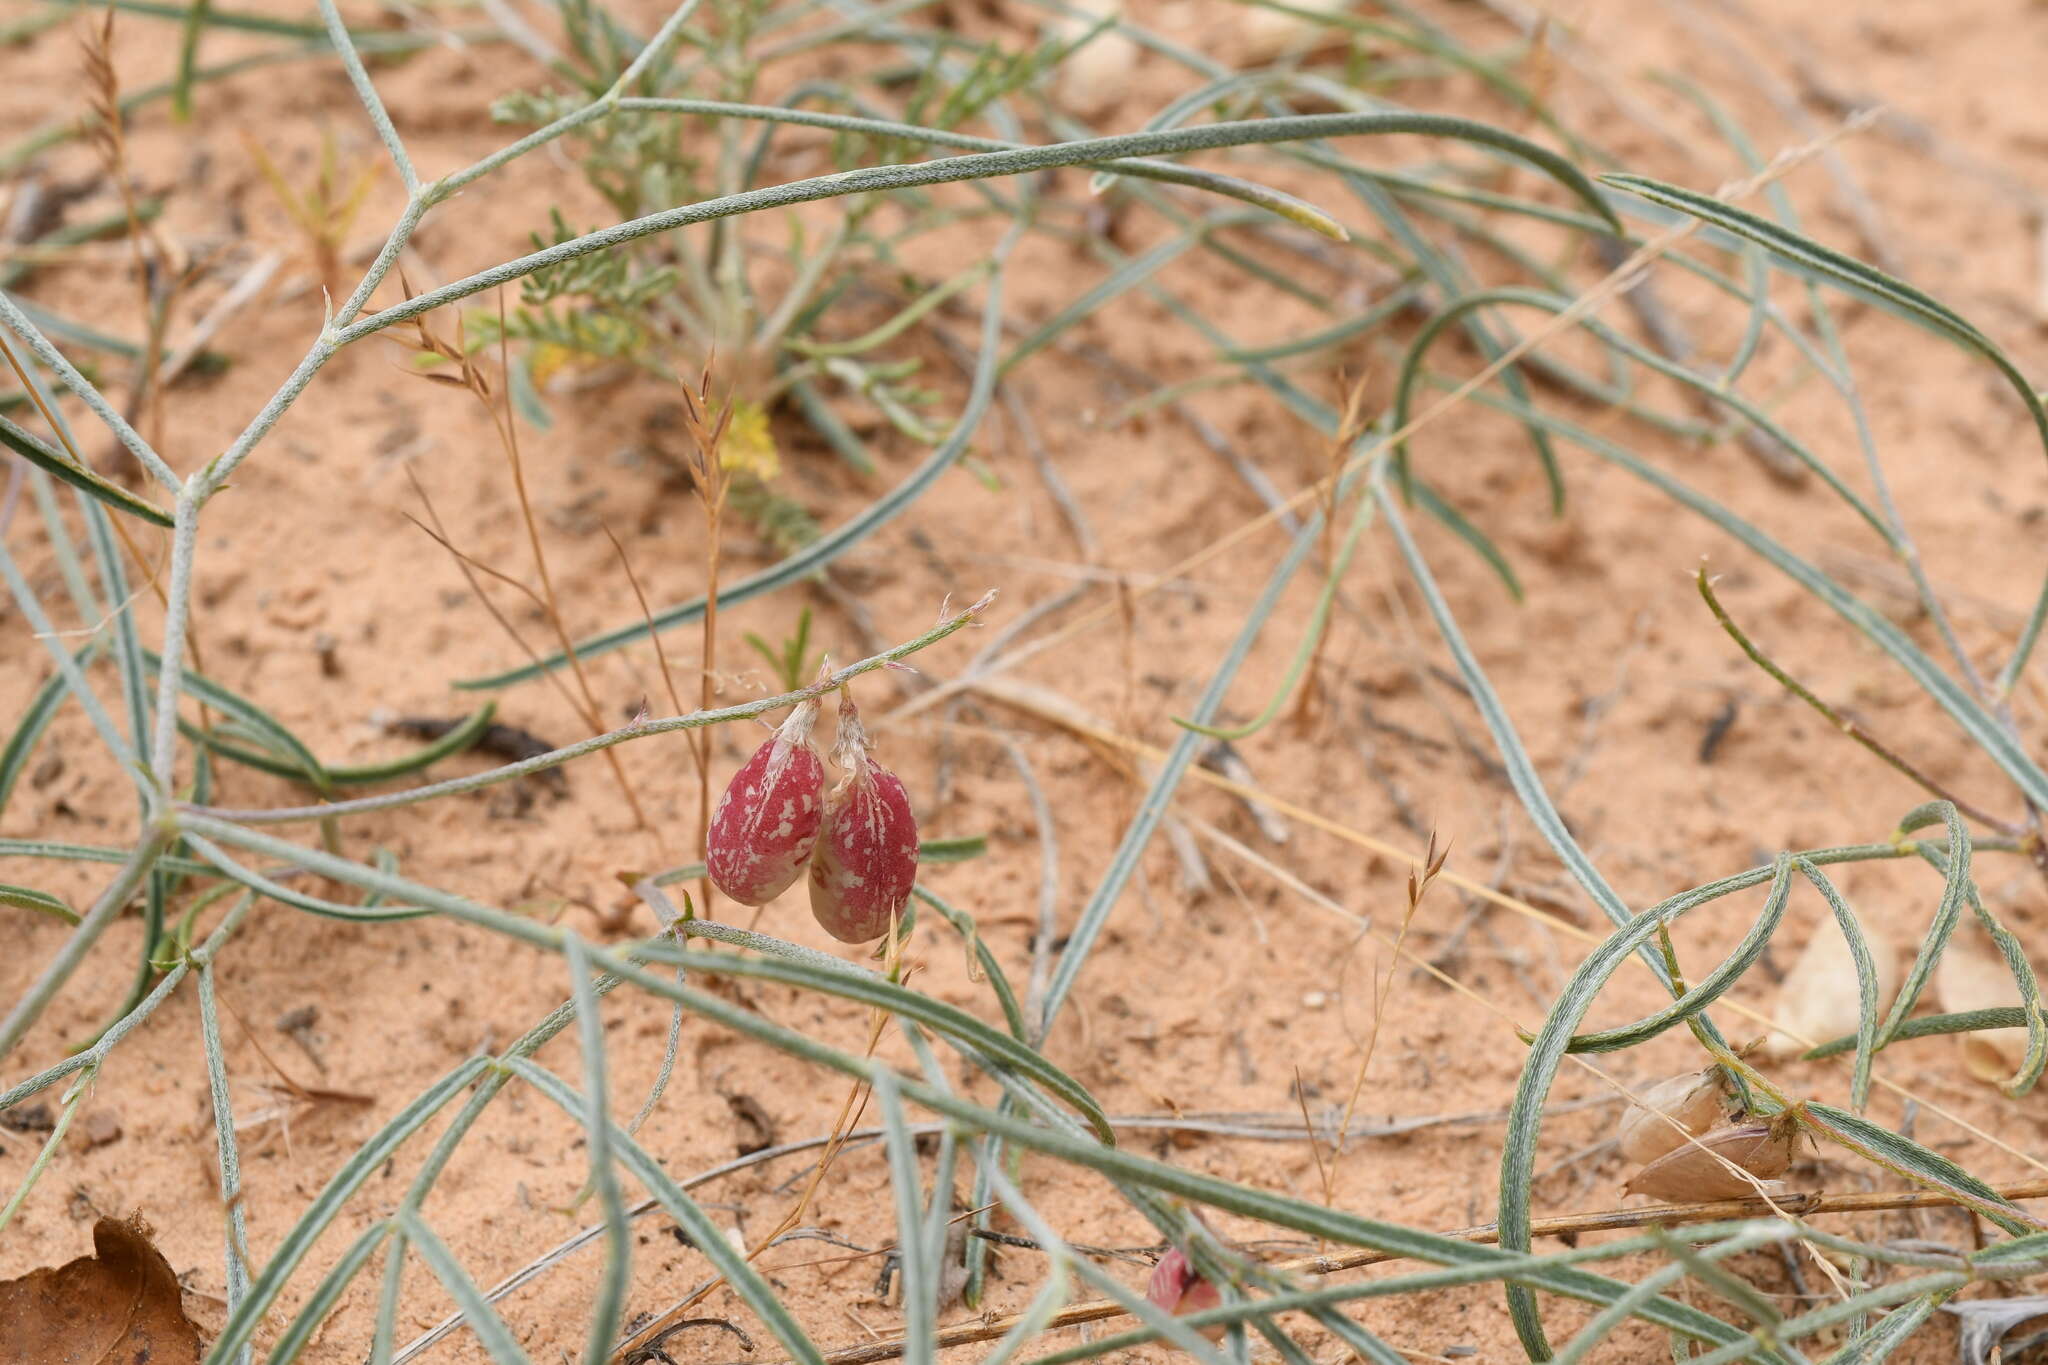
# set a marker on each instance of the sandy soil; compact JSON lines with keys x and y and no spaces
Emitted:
{"x":317,"y":597}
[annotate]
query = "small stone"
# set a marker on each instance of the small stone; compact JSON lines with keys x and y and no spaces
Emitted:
{"x":327,"y":648}
{"x":36,"y":1118}
{"x":100,"y":1127}
{"x":1314,"y":1000}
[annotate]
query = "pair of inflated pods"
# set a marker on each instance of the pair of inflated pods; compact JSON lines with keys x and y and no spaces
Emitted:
{"x":859,"y":840}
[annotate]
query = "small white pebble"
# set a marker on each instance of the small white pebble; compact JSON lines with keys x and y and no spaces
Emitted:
{"x":738,"y":1240}
{"x":1314,"y":1000}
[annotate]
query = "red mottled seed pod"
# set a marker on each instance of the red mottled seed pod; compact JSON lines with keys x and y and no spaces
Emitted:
{"x":1180,"y":1290}
{"x":866,"y":858}
{"x":767,"y":822}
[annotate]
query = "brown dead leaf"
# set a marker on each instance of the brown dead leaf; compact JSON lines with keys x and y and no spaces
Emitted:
{"x":120,"y":1305}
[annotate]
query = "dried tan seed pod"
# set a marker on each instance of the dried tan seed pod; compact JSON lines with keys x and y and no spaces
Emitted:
{"x":1696,"y":1172}
{"x":1691,"y":1102}
{"x":1973,"y":975}
{"x":1820,"y":997}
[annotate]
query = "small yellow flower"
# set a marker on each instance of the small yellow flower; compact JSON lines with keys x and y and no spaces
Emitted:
{"x":547,"y":360}
{"x":749,"y":445}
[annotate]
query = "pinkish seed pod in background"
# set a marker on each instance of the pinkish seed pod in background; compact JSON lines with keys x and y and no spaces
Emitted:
{"x":866,"y":858}
{"x":1178,"y":1289}
{"x":767,"y":822}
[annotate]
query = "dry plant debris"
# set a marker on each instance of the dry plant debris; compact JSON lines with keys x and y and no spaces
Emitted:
{"x":120,"y":1304}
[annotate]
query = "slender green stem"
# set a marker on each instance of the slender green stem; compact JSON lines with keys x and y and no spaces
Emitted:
{"x":67,"y":664}
{"x":95,"y":922}
{"x":18,"y":322}
{"x":596,"y":743}
{"x":957,"y":169}
{"x":373,"y":104}
{"x":224,"y":1137}
{"x":1835,"y":718}
{"x":123,"y":1026}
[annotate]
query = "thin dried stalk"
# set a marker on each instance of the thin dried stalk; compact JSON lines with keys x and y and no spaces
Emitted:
{"x":1349,"y":430}
{"x":1419,"y":881}
{"x":471,"y":376}
{"x":707,"y":436}
{"x":668,"y":679}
